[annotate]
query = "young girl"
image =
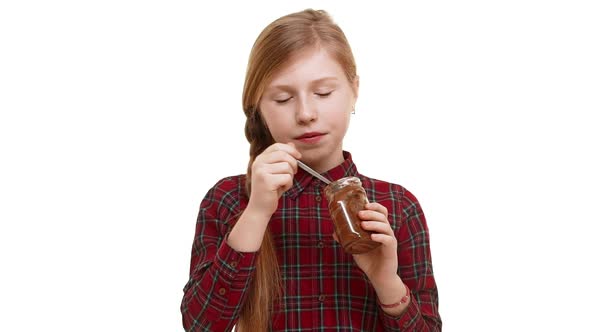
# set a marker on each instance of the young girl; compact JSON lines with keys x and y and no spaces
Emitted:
{"x":264,"y":255}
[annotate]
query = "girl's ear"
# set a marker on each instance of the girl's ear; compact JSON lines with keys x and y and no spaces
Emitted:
{"x":355,"y":87}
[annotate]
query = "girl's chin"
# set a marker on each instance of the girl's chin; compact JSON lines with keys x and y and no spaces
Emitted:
{"x":321,"y":160}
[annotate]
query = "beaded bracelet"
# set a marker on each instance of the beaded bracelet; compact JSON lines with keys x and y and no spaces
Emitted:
{"x":403,"y":300}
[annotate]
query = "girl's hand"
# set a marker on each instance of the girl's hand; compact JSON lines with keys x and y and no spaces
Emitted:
{"x":379,"y":264}
{"x":272,"y":175}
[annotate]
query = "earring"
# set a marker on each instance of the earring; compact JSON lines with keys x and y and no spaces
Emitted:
{"x":353,"y":110}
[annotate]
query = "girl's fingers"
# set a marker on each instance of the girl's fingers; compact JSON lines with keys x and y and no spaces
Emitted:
{"x":266,"y":172}
{"x":288,"y":148}
{"x":293,"y":150}
{"x":375,"y":219}
{"x":277,"y":156}
{"x":386,"y":240}
{"x":374,"y":206}
{"x":281,"y":182}
{"x":335,"y":237}
{"x":378,"y":227}
{"x":279,"y":168}
{"x":373,"y":215}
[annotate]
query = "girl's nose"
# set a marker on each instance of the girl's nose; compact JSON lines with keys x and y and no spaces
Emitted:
{"x":306,"y":112}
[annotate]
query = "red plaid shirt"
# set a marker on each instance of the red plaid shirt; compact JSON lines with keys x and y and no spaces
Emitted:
{"x":323,"y":289}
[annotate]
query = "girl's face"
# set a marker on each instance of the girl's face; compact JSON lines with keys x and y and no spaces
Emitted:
{"x":308,"y":102}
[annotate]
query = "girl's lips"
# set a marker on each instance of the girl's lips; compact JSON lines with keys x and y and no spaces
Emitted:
{"x":310,"y":138}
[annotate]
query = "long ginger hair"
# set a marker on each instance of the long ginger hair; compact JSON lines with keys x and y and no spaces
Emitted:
{"x":278,"y":43}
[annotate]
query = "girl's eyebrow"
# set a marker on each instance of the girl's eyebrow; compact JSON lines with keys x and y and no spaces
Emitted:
{"x":324,"y":79}
{"x":314,"y":82}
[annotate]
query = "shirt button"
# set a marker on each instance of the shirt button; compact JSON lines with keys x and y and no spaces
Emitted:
{"x":318,"y":198}
{"x":321,"y":244}
{"x":233,"y":264}
{"x":322,"y":298}
{"x":222,"y":291}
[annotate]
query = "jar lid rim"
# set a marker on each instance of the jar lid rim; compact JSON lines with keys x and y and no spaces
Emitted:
{"x":335,"y":185}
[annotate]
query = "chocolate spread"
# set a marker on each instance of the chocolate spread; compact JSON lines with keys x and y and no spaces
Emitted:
{"x":346,"y":197}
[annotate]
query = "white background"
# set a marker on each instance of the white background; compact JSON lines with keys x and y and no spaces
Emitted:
{"x":118,"y":116}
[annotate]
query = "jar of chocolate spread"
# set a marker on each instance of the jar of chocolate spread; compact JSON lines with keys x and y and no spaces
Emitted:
{"x":346,"y":197}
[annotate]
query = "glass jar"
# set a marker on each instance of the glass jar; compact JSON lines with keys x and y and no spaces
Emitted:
{"x":346,"y":197}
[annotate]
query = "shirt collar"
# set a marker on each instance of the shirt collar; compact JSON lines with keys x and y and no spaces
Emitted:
{"x":302,"y":179}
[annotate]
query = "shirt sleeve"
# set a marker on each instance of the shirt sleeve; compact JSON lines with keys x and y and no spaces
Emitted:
{"x":415,"y":269}
{"x":219,"y":276}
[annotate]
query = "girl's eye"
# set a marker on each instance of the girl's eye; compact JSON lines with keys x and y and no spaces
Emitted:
{"x":282,"y":101}
{"x":324,"y":94}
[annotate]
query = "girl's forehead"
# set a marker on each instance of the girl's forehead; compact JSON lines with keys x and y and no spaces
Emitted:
{"x":311,"y":65}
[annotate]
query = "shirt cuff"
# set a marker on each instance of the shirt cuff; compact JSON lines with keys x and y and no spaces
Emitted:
{"x":404,"y":321}
{"x":226,"y":281}
{"x":233,"y":264}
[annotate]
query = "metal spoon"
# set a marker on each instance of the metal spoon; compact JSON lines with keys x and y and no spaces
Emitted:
{"x":312,"y":172}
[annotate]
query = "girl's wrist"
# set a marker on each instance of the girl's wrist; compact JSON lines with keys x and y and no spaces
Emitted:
{"x":396,"y":304}
{"x":391,"y":291}
{"x":395,"y":300}
{"x":247,"y":233}
{"x":256,"y":212}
